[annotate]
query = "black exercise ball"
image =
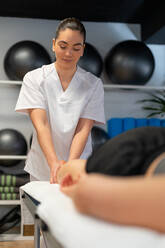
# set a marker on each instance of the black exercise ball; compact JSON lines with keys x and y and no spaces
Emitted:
{"x":91,"y":60}
{"x":30,"y":141}
{"x":11,"y":218}
{"x":24,"y":56}
{"x":99,"y":137}
{"x":129,"y":62}
{"x":12,"y":142}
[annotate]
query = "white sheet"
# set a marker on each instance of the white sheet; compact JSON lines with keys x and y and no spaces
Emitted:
{"x":74,"y":230}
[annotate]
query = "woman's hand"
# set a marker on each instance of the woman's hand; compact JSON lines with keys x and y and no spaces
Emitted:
{"x":54,"y":171}
{"x":75,"y":168}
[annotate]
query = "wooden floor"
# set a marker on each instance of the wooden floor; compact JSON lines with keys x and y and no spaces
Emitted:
{"x":17,"y":244}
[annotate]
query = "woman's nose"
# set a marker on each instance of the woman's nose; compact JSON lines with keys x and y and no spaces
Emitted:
{"x":68,"y":52}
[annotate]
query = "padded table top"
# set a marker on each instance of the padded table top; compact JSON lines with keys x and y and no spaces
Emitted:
{"x":75,"y":230}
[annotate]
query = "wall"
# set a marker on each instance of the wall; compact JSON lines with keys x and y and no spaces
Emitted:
{"x":102,"y":35}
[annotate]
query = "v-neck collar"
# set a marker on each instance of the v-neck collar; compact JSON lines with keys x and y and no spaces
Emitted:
{"x":71,"y":84}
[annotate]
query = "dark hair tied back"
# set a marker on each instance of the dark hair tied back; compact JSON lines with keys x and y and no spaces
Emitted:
{"x":73,"y":24}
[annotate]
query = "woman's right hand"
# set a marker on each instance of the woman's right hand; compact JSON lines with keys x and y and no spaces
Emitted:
{"x":54,"y":170}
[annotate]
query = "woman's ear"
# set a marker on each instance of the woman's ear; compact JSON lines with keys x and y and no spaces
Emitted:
{"x":53,"y":44}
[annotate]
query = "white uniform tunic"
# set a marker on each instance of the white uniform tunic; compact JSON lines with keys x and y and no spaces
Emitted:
{"x":84,"y":98}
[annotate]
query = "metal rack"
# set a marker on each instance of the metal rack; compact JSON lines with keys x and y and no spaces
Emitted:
{"x":106,"y":86}
{"x":10,"y":82}
{"x":6,"y":236}
{"x":16,"y":157}
{"x":133,"y":87}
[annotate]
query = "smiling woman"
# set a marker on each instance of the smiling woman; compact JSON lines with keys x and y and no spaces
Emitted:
{"x":68,"y":47}
{"x":63,"y":102}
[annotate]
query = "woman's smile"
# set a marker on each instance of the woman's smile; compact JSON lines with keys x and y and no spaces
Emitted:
{"x":67,"y":60}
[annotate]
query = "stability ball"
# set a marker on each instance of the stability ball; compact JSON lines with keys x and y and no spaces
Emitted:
{"x":12,"y":142}
{"x":91,"y":60}
{"x":10,"y":219}
{"x":129,"y":62}
{"x":99,"y":137}
{"x":24,"y":56}
{"x":30,"y":141}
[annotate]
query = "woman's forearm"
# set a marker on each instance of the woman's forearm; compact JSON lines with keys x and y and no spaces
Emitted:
{"x":41,"y":125}
{"x":130,"y":201}
{"x":80,"y":138}
{"x":78,"y":145}
{"x":46,"y":144}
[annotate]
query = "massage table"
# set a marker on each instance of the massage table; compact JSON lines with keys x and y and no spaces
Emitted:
{"x":64,"y":227}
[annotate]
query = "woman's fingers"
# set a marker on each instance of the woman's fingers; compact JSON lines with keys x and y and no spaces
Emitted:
{"x":61,"y":162}
{"x":53,"y":173}
{"x":57,"y":168}
{"x":51,"y":179}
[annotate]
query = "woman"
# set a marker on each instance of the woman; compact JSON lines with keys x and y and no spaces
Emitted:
{"x":63,"y":102}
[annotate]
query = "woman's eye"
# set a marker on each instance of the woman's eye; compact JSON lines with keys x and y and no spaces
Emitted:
{"x":62,"y":47}
{"x":76,"y":49}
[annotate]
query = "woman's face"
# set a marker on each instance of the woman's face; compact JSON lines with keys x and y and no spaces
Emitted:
{"x":68,"y":47}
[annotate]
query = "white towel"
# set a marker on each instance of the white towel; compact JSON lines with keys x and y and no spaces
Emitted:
{"x":74,"y":230}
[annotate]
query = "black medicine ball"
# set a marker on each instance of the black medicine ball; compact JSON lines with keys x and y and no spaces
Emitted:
{"x":12,"y":142}
{"x":129,"y":62}
{"x":91,"y":60}
{"x":99,"y":137}
{"x":24,"y":56}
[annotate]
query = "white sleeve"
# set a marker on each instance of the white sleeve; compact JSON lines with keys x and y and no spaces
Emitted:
{"x":94,"y":109}
{"x":30,"y":96}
